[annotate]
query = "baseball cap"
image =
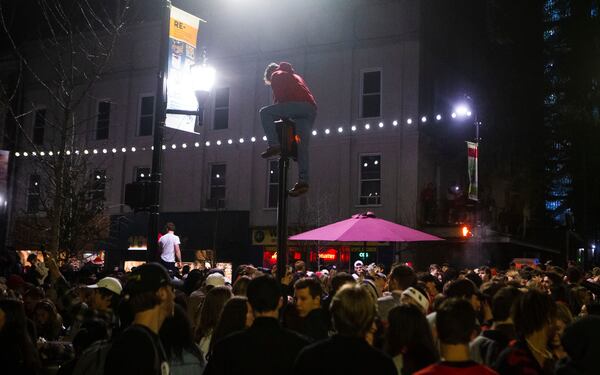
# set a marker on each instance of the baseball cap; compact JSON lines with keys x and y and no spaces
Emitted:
{"x":110,"y":283}
{"x":358,"y":263}
{"x":215,"y":279}
{"x":418,"y":297}
{"x":148,"y":277}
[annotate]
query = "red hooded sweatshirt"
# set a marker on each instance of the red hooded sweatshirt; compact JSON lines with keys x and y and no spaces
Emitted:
{"x":289,"y":87}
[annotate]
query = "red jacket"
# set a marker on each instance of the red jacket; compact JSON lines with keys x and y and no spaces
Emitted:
{"x":289,"y":87}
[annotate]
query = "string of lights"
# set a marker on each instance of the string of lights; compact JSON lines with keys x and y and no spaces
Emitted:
{"x":341,"y":130}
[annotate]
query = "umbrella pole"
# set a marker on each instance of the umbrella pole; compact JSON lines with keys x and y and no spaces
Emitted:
{"x":318,"y":258}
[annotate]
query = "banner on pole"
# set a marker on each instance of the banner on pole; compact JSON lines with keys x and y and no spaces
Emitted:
{"x":183,"y":34}
{"x":473,"y":157}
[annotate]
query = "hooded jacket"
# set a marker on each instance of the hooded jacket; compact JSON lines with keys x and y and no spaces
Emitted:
{"x":289,"y":87}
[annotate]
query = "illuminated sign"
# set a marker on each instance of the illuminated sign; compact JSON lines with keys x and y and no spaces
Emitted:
{"x":327,"y":256}
{"x":330,"y":254}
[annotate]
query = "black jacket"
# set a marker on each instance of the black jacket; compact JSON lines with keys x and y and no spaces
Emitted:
{"x":265,"y":348}
{"x":344,"y":356}
{"x":315,"y":326}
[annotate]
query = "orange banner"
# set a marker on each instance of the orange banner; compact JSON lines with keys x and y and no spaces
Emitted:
{"x":183,"y":32}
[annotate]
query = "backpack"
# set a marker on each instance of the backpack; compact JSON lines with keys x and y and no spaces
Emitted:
{"x":92,"y":359}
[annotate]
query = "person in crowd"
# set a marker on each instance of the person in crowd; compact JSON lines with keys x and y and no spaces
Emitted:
{"x":380,"y":280}
{"x":486,"y":347}
{"x":240,"y":286}
{"x":408,"y":339}
{"x":170,"y":253}
{"x":474,"y":277}
{"x":359,"y":271}
{"x":338,"y":280}
{"x":209,"y":316}
{"x":92,"y":330}
{"x":456,"y":323}
{"x":244,"y":352}
{"x":292,"y":99}
{"x":580,"y":341}
{"x":435,"y":271}
{"x":312,"y":321}
{"x":196,"y":298}
{"x":353,"y":312}
{"x":431,"y":285}
{"x":37,"y":272}
{"x":417,"y":296}
{"x":552,"y":279}
{"x":401,"y":278}
{"x":563,"y":319}
{"x":18,"y":354}
{"x":31,"y":297}
{"x":534,"y":315}
{"x":48,"y":322}
{"x":105,"y":297}
{"x":485,"y":273}
{"x":236,"y":316}
{"x":176,"y":337}
{"x":151,"y":300}
{"x":370,"y":286}
{"x":192,"y":281}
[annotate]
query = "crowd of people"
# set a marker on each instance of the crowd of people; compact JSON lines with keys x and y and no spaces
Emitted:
{"x":533,"y":320}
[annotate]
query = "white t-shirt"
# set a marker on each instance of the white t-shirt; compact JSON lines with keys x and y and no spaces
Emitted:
{"x":167,"y":245}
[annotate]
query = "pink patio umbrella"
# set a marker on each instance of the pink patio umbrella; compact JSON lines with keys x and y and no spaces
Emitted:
{"x":365,"y":227}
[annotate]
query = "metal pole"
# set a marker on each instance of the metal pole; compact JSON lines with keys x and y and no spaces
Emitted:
{"x":477,"y":215}
{"x":282,"y":250}
{"x":160,"y":114}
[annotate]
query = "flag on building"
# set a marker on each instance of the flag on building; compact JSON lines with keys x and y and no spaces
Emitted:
{"x":473,"y":157}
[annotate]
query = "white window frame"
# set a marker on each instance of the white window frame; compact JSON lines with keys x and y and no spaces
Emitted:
{"x":106,"y":100}
{"x":139,"y":113}
{"x":43,"y":108}
{"x":103,"y":190}
{"x":361,"y":94}
{"x":215,"y":108}
{"x":360,"y":180}
{"x":210,"y":186}
{"x":136,"y":170}
{"x":29,"y":194}
{"x":269,"y":183}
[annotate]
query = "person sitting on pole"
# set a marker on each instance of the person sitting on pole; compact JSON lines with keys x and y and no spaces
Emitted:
{"x":293,"y":100}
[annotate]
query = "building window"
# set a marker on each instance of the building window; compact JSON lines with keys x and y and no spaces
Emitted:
{"x":142,"y":174}
{"x":33,"y":194}
{"x":103,"y":122}
{"x":273,"y":184}
{"x":39,"y":126}
{"x":10,"y":131}
{"x":370,"y":102}
{"x":221,"y":120}
{"x":370,"y":180}
{"x":146,"y":115}
{"x":98,"y":188}
{"x":217,"y":184}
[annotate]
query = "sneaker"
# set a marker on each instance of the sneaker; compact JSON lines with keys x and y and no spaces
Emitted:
{"x":298,"y":189}
{"x":271,"y":151}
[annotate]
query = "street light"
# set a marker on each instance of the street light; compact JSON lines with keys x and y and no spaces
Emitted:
{"x":462,"y":111}
{"x":202,"y":77}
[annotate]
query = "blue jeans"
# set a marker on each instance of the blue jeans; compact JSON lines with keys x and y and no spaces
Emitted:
{"x":303,"y":114}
